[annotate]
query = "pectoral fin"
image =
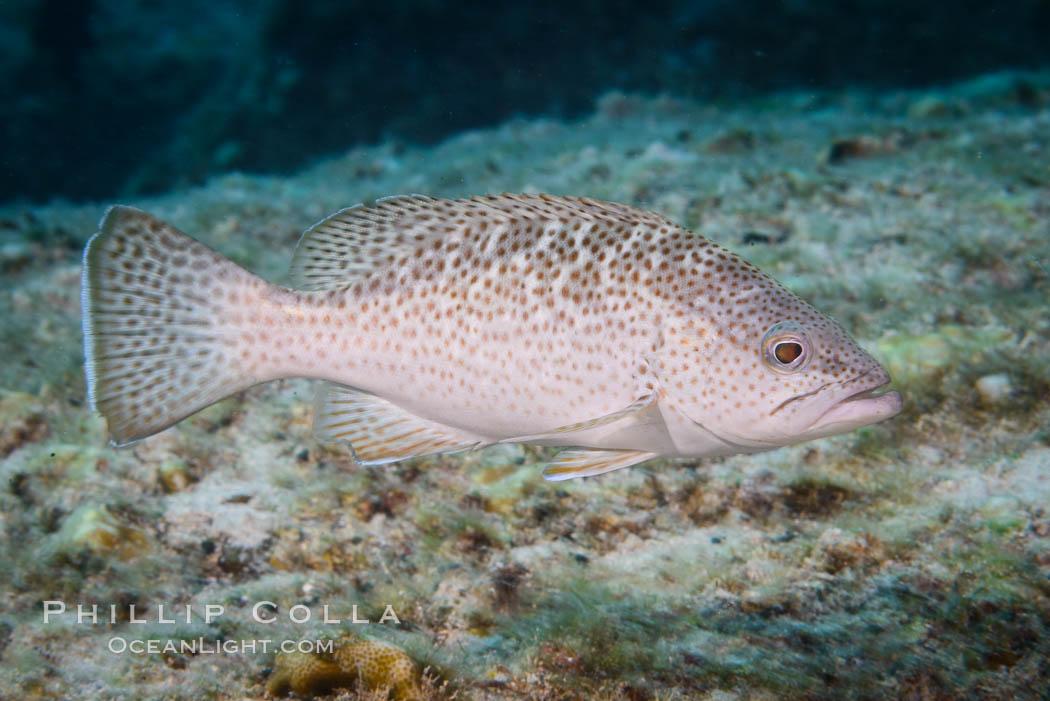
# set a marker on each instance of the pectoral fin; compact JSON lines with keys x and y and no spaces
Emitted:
{"x":380,"y":431}
{"x":584,"y":462}
{"x":636,"y":407}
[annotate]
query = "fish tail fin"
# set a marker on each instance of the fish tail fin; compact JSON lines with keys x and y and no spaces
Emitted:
{"x":155,"y":347}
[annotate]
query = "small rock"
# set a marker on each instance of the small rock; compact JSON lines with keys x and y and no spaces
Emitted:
{"x":503,"y":454}
{"x":994,"y":389}
{"x":95,"y":528}
{"x":15,"y":255}
{"x":174,"y":476}
{"x":21,"y":421}
{"x":865,"y":146}
{"x":931,"y":107}
{"x":736,"y":140}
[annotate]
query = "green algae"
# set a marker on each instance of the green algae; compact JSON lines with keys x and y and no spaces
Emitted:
{"x":787,"y":650}
{"x":912,"y":358}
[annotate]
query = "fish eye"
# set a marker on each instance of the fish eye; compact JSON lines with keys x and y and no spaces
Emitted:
{"x":785,"y":348}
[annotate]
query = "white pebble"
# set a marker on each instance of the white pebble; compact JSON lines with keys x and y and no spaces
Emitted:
{"x":994,"y":389}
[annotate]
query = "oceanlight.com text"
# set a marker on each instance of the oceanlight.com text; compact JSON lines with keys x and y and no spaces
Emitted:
{"x":120,"y":646}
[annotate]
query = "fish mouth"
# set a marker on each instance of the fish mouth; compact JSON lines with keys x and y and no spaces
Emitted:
{"x":868,"y":405}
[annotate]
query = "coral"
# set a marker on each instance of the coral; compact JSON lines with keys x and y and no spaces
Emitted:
{"x":368,"y":665}
{"x":306,"y":674}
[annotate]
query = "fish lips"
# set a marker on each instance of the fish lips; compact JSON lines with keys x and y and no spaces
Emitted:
{"x":866,"y":406}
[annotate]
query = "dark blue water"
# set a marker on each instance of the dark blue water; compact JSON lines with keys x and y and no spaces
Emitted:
{"x":108,"y":97}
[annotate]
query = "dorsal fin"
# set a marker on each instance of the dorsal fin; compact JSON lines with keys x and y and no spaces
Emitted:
{"x":354,"y":242}
{"x":556,"y":207}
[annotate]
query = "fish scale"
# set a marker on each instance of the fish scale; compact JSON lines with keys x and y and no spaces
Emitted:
{"x":492,"y":315}
{"x":442,"y":325}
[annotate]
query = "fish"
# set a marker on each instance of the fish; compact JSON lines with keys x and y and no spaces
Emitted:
{"x":444,"y":325}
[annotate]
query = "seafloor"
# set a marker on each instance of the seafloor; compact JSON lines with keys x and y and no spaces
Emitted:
{"x":905,"y":560}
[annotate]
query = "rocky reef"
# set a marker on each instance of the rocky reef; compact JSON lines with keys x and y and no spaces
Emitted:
{"x":909,"y":559}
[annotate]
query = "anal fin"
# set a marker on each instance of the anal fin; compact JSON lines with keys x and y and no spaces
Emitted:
{"x":380,"y":431}
{"x":586,"y":462}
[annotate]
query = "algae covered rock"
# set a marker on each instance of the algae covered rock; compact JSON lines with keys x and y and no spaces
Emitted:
{"x":913,"y":357}
{"x":21,"y":421}
{"x":97,"y":529}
